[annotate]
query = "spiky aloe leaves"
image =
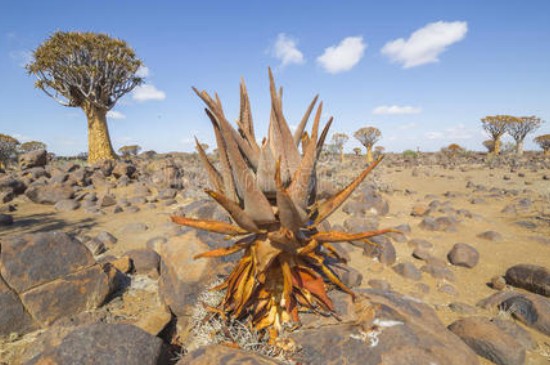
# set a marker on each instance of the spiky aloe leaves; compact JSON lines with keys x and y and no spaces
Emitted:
{"x":269,"y":190}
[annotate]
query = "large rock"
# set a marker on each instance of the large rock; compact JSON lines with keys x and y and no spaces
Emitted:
{"x":489,"y":341}
{"x":53,"y":275}
{"x":71,"y":294}
{"x":36,"y":158}
{"x":105,"y":344}
{"x":531,"y":309}
{"x":31,"y":260}
{"x":218,"y":354}
{"x":49,"y":194}
{"x":402,"y":331}
{"x":123,"y":168}
{"x":183,"y":278}
{"x":13,"y":316}
{"x":529,"y":277}
{"x":9,"y":183}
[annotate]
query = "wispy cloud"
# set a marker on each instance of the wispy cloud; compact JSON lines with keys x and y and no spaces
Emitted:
{"x":396,"y":109}
{"x":458,"y":132}
{"x":21,"y":57}
{"x":425,"y":44}
{"x":344,"y":56}
{"x":147,"y":92}
{"x":433,"y":135}
{"x":143,"y":71}
{"x":286,"y":50}
{"x":113,"y":114}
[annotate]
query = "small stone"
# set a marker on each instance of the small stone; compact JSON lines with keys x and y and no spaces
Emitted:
{"x":408,"y":270}
{"x":67,"y":205}
{"x":379,"y":284}
{"x":463,"y":255}
{"x":106,"y":200}
{"x":144,"y":260}
{"x":498,"y":282}
{"x":490,"y":236}
{"x":106,"y":237}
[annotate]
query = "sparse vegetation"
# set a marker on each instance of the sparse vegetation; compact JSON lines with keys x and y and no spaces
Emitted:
{"x":8,"y":149}
{"x":91,"y":71}
{"x":410,"y":154}
{"x":368,"y":137}
{"x":131,"y":150}
{"x":32,"y":146}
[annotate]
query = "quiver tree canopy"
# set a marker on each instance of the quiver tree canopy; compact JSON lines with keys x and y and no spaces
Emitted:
{"x":76,"y":68}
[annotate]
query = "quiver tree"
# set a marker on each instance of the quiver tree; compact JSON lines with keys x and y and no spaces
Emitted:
{"x":368,"y":137}
{"x":496,"y":126}
{"x":520,"y":127}
{"x":91,"y":71}
{"x":8,"y":149}
{"x":357,"y":151}
{"x":544,"y":142}
{"x":339,"y":140}
{"x":270,"y":192}
{"x":32,"y":146}
{"x":131,"y":150}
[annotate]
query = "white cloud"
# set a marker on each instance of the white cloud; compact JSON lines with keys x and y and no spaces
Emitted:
{"x":148,"y":92}
{"x":426,"y":44}
{"x":396,"y":109}
{"x":113,"y":114}
{"x":344,"y":56}
{"x":143,"y":71}
{"x":285,"y":49}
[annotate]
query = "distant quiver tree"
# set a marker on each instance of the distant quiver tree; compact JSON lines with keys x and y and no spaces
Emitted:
{"x":496,"y":126}
{"x":520,"y":127}
{"x":544,"y":142}
{"x":368,"y":136}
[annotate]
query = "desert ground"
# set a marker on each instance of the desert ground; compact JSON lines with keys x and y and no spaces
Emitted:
{"x":498,"y":207}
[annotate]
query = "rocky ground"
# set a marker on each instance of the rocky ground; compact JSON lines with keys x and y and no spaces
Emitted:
{"x":92,"y":270}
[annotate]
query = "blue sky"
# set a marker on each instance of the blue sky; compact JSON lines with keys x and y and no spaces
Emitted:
{"x":423,"y":72}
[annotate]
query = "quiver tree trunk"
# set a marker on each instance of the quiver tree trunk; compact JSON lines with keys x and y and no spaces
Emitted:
{"x":547,"y":152}
{"x":369,"y":154}
{"x":99,"y":142}
{"x":496,"y":150}
{"x":519,"y":148}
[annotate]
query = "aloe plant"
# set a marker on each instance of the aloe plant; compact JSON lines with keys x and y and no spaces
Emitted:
{"x":269,"y":190}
